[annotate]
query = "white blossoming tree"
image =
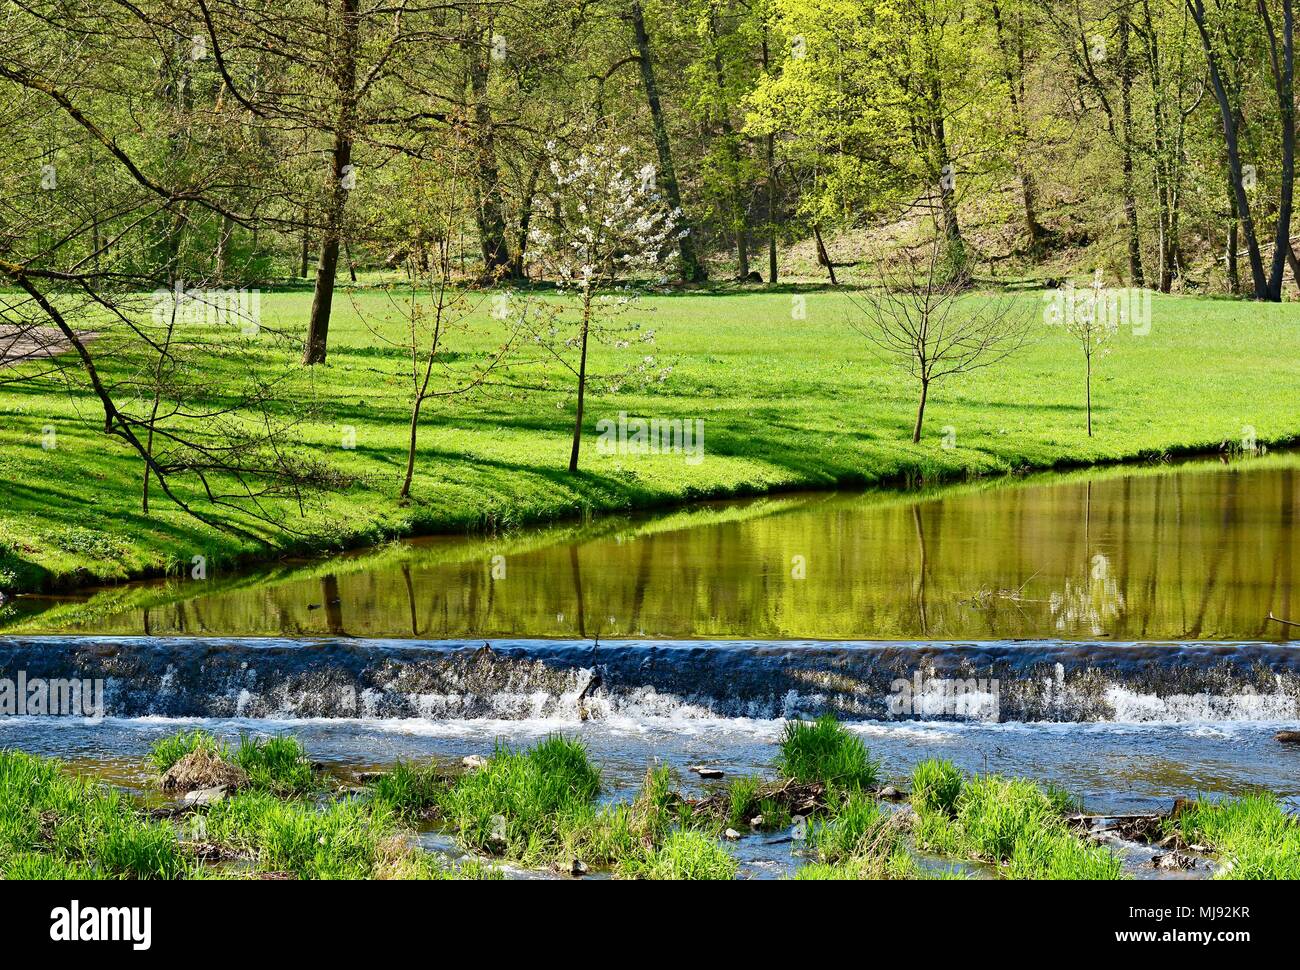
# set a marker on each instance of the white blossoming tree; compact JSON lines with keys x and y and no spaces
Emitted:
{"x":1089,"y":315}
{"x":607,"y":234}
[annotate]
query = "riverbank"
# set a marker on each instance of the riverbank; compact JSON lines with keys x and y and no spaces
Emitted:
{"x":790,"y":398}
{"x":260,"y":808}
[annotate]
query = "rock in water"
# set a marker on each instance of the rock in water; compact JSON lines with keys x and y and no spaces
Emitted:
{"x":579,"y":868}
{"x":1288,"y":737}
{"x":474,"y":761}
{"x":731,"y":835}
{"x":891,"y":794}
{"x":204,"y":796}
{"x":704,"y":771}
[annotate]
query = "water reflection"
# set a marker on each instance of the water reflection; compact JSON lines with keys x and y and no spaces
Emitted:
{"x":1201,"y":551}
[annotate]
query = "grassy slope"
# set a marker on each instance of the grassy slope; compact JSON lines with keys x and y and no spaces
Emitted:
{"x":786,"y":403}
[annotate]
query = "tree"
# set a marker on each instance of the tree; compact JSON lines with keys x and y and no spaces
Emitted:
{"x":606,"y":221}
{"x":692,"y":269}
{"x":87,"y":248}
{"x":435,"y":307}
{"x":1280,"y":54}
{"x":1092,"y":318}
{"x":919,"y":320}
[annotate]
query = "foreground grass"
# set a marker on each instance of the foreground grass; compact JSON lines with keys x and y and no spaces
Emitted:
{"x":823,"y":751}
{"x":1253,"y":836}
{"x":538,"y":808}
{"x":1011,"y":823}
{"x":787,"y":403}
{"x":54,"y":825}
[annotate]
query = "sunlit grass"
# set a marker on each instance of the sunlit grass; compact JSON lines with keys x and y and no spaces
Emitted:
{"x":787,"y":403}
{"x":1011,"y":823}
{"x":825,"y":751}
{"x":1254,"y":836}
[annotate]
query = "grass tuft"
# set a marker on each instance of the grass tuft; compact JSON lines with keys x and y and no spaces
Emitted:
{"x":516,"y":805}
{"x":823,"y":750}
{"x":1254,"y":835}
{"x":936,"y":786}
{"x":165,"y":752}
{"x":277,"y":764}
{"x":684,"y":854}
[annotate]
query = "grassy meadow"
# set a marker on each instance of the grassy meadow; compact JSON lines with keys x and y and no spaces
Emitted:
{"x":791,"y":397}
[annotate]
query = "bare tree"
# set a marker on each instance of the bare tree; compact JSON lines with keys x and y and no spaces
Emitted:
{"x":920,"y":320}
{"x":436,"y":307}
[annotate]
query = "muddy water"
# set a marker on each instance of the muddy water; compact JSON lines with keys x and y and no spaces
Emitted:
{"x":1201,"y":551}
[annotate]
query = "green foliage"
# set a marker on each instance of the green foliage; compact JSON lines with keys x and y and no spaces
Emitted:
{"x":1014,"y":824}
{"x":684,"y":854}
{"x":823,"y":750}
{"x":517,"y":804}
{"x":1254,"y":835}
{"x":936,"y":785}
{"x":410,"y":790}
{"x":76,"y":826}
{"x":166,"y":751}
{"x":338,"y":841}
{"x":277,"y":764}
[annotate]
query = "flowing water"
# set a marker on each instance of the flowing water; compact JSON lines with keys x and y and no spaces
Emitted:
{"x":1108,"y":631}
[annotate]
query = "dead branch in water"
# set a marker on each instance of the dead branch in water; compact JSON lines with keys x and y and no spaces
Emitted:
{"x":1278,"y":619}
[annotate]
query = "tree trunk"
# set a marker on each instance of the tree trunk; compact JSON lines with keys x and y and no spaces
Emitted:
{"x":1228,"y":117}
{"x":771,"y":187}
{"x":1087,"y":384}
{"x":405,"y":493}
{"x":327,"y":266}
{"x":920,"y":412}
{"x":582,"y":382}
{"x":823,"y":256}
{"x":520,"y":270}
{"x":739,"y":213}
{"x":1283,"y":80}
{"x":1234,"y":278}
{"x":691,"y":268}
{"x":1136,"y":276}
{"x":490,"y":211}
{"x":1013,"y":72}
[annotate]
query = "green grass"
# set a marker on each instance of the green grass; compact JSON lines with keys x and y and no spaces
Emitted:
{"x":684,"y":854}
{"x":339,"y":841}
{"x":168,"y":750}
{"x":787,"y":403}
{"x":936,"y":786}
{"x":519,"y":804}
{"x":54,"y":825}
{"x":410,"y":790}
{"x":1011,"y":823}
{"x":277,"y":764}
{"x":824,"y":751}
{"x":1254,"y":836}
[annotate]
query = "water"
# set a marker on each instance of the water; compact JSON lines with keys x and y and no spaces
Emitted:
{"x":1203,"y":551}
{"x":1111,"y":630}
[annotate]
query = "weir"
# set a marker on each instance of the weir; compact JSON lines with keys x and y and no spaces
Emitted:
{"x":581,"y":680}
